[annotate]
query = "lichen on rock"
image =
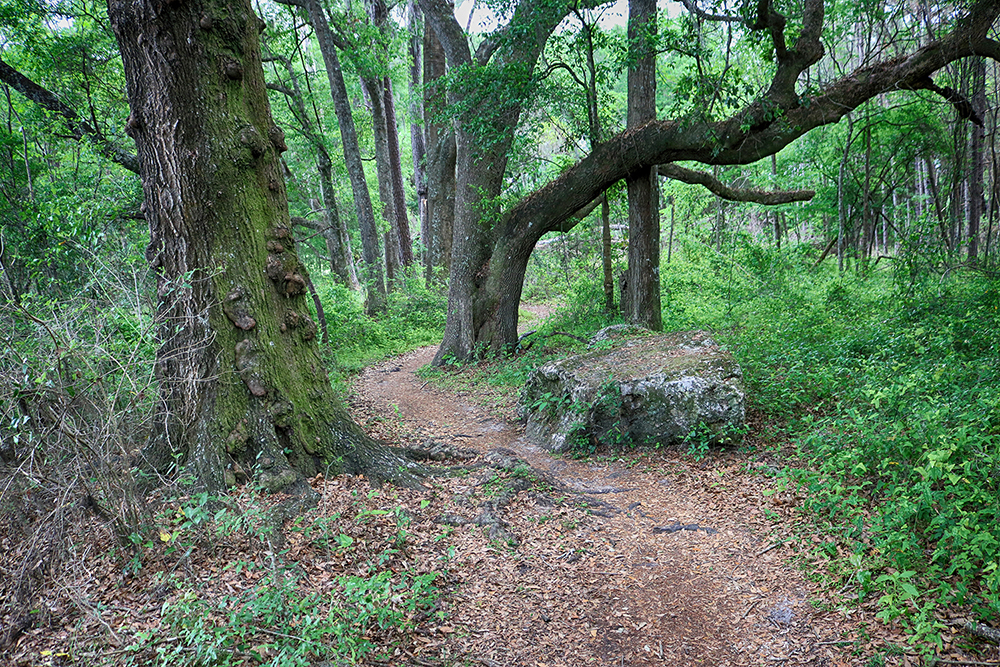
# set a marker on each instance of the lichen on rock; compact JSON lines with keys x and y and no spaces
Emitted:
{"x":648,"y":391}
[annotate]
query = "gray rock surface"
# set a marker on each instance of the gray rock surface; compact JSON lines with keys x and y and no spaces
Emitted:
{"x":649,"y":391}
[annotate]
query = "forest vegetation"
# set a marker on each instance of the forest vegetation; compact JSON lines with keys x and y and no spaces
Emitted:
{"x":214,"y":213}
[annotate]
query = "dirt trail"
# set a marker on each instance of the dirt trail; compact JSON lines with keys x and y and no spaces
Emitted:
{"x":653,"y":559}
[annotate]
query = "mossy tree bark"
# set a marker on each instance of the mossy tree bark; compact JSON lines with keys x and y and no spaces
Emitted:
{"x":242,"y":387}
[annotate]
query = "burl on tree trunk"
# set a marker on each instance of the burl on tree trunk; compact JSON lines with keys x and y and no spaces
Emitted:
{"x":242,"y":388}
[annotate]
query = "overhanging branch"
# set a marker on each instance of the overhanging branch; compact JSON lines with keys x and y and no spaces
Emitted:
{"x":720,"y":189}
{"x":78,"y":127}
{"x":961,"y":103}
{"x":742,"y":139}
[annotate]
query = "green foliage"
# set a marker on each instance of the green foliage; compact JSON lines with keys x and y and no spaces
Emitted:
{"x":415,"y":317}
{"x":280,"y":622}
{"x":894,"y":402}
{"x":283,"y":618}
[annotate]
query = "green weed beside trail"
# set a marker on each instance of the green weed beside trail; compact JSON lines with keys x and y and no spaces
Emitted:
{"x":415,"y":318}
{"x":891,"y":394}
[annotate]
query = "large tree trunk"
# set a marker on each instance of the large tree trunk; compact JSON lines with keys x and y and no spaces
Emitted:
{"x":643,"y":193}
{"x":483,"y":136}
{"x":241,"y":382}
{"x":374,"y":281}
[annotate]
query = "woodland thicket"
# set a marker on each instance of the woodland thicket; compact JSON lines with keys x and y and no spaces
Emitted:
{"x":851,"y":266}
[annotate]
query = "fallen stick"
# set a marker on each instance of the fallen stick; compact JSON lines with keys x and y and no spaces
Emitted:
{"x":984,"y":631}
{"x":770,"y":548}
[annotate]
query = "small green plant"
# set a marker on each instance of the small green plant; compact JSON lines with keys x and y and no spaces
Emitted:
{"x":548,"y":403}
{"x":698,"y":441}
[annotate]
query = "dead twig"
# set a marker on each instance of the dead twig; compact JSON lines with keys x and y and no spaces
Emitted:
{"x":770,"y":548}
{"x":750,"y":608}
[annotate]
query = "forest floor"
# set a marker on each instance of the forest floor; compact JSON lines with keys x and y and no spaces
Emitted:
{"x":634,"y":558}
{"x":640,"y":558}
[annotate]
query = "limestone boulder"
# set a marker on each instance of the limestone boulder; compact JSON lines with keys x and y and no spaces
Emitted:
{"x":653,"y":390}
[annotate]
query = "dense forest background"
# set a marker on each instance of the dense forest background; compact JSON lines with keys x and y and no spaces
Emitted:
{"x":853,"y":272}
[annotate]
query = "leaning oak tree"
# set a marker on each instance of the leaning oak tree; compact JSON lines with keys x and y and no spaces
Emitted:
{"x":492,"y":247}
{"x":242,"y":387}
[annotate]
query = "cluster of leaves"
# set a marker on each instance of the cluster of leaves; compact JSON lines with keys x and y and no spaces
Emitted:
{"x":415,"y":317}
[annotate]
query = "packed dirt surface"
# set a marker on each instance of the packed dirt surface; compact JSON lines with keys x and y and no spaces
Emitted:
{"x":628,"y":559}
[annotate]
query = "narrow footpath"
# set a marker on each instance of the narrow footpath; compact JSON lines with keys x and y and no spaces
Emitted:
{"x":634,"y":559}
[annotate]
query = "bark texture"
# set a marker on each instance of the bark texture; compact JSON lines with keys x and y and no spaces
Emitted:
{"x":643,"y":192}
{"x":242,"y":389}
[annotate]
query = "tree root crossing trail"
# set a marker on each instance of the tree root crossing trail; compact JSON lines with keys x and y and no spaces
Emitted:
{"x":622,"y":559}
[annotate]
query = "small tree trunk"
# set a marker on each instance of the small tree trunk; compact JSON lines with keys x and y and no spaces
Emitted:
{"x":374,"y":281}
{"x":373,"y":94}
{"x":338,"y":241}
{"x":609,"y":279}
{"x":401,"y":220}
{"x":670,"y":243}
{"x":643,"y":205}
{"x":977,"y":201}
{"x":441,"y":155}
{"x":334,"y":230}
{"x":417,"y":146}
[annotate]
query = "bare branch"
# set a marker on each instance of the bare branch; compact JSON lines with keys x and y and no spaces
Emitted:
{"x":277,"y":87}
{"x":307,"y":223}
{"x":78,"y":127}
{"x":561,"y":65}
{"x":720,"y":189}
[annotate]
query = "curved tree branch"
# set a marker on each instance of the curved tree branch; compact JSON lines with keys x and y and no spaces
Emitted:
{"x":723,"y":191}
{"x":961,"y":103}
{"x":744,"y":139}
{"x":78,"y":127}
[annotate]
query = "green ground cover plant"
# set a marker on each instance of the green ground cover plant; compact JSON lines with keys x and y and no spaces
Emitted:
{"x":886,"y":381}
